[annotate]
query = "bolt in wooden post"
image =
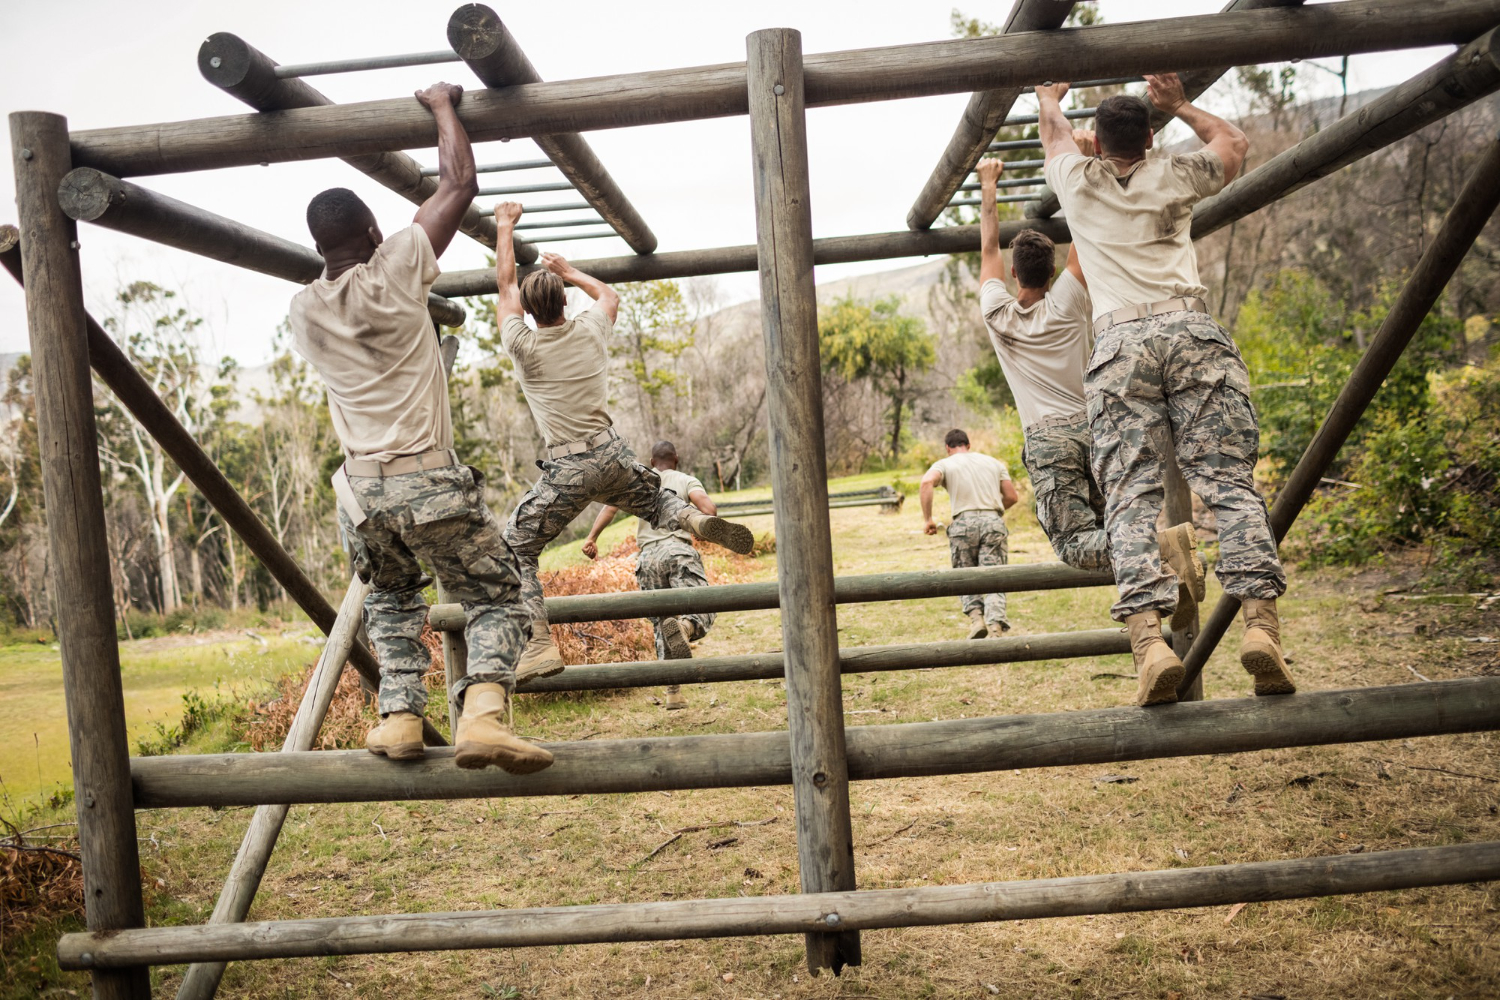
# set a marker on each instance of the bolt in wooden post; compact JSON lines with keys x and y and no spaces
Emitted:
{"x":79,"y":549}
{"x":789,"y":319}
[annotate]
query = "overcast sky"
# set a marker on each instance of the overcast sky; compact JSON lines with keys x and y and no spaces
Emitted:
{"x":110,"y":64}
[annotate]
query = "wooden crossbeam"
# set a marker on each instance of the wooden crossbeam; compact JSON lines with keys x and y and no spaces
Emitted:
{"x":955,"y":66}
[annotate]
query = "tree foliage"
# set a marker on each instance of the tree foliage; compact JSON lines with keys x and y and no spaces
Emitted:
{"x":873,"y":342}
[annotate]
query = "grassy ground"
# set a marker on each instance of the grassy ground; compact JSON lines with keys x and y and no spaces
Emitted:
{"x":34,"y":758}
{"x":504,"y":853}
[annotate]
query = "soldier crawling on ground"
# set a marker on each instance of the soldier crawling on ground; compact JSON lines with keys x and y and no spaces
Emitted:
{"x":1163,"y":370}
{"x":403,"y":496}
{"x":980,"y":491}
{"x":1041,"y":338}
{"x":667,"y":561}
{"x":563,"y":369}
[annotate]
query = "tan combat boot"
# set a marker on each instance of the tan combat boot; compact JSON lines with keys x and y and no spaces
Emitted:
{"x":674,"y":635}
{"x":483,"y":738}
{"x":1157,"y":667}
{"x":399,"y":737}
{"x":1179,"y":550}
{"x":540,"y":658}
{"x":733,"y":536}
{"x":978,"y":629}
{"x":674,"y":700}
{"x":1260,"y":649}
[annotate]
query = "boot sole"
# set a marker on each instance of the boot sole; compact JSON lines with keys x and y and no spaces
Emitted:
{"x":477,"y":756}
{"x":401,"y":751}
{"x":1163,"y":689}
{"x":675,"y":641}
{"x":551,"y":668}
{"x":1271,"y":678}
{"x":675,"y":706}
{"x":733,"y":536}
{"x":1186,"y":612}
{"x":979,"y":632}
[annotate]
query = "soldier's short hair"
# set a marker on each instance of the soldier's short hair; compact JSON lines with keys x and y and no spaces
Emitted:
{"x":544,"y":295}
{"x":1034,"y":257}
{"x":662,"y":451}
{"x":1122,"y":124}
{"x":337,"y":217}
{"x":956,"y":439}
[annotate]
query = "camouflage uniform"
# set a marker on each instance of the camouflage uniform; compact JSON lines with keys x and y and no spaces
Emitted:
{"x":1069,"y":505}
{"x":668,"y":564}
{"x":979,"y":538}
{"x":609,"y":474}
{"x":1177,"y":373}
{"x":438,"y":516}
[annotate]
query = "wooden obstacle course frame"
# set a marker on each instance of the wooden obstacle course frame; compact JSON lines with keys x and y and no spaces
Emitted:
{"x":817,"y":755}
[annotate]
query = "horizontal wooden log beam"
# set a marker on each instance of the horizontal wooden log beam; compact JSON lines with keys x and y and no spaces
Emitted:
{"x":962,"y":746}
{"x":876,"y":74}
{"x":853,"y":660}
{"x":923,"y":906}
{"x":1455,"y":82}
{"x":729,"y":260}
{"x":492,"y":53}
{"x":847,"y":590}
{"x":244,"y":72}
{"x":89,"y":195}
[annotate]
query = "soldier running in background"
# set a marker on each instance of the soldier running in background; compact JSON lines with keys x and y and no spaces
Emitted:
{"x":667,"y":561}
{"x":980,"y":491}
{"x":403,"y":496}
{"x":1041,"y":338}
{"x":1162,"y":369}
{"x":563,"y":369}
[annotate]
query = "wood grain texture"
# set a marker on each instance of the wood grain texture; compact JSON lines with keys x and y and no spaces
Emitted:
{"x":481,"y":40}
{"x":201,"y":981}
{"x":120,"y":376}
{"x":888,"y":73}
{"x":248,"y":74}
{"x":78,"y":550}
{"x":925,"y":906}
{"x":982,"y":118}
{"x":1470,"y":213}
{"x":956,"y":746}
{"x":799,"y":478}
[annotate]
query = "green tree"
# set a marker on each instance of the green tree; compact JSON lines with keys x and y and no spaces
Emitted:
{"x":874,"y":343}
{"x":651,"y":334}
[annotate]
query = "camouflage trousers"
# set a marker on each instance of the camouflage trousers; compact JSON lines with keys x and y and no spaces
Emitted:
{"x":980,"y":538}
{"x":438,"y":517}
{"x":609,"y":474}
{"x":1177,"y":377}
{"x":1069,"y":504}
{"x":669,"y":564}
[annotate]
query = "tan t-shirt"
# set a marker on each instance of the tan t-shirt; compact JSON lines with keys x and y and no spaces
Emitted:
{"x":564,"y":372}
{"x":1132,"y":230}
{"x":1042,"y":347}
{"x":972,"y":480}
{"x":368,"y":334}
{"x":680,"y":483}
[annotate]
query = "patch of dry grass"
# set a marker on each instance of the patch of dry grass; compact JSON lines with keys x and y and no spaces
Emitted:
{"x":506,"y":853}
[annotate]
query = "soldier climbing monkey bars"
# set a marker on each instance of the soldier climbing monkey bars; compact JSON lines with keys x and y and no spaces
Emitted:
{"x":296,"y":122}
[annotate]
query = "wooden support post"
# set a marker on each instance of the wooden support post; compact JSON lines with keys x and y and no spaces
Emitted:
{"x":202,"y":980}
{"x":1472,"y":210}
{"x":888,"y":73}
{"x":481,"y":40}
{"x":1179,"y":508}
{"x":455,"y":646}
{"x":244,"y":72}
{"x":924,"y":906}
{"x":910,"y":750}
{"x":115,"y":371}
{"x":77,"y":546}
{"x":982,"y":118}
{"x":799,"y":476}
{"x":88,"y":195}
{"x":1194,"y":84}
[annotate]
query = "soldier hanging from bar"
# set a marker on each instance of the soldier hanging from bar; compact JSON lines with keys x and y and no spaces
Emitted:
{"x":1162,"y":366}
{"x":403,"y":496}
{"x":563,"y":367}
{"x":667,"y":561}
